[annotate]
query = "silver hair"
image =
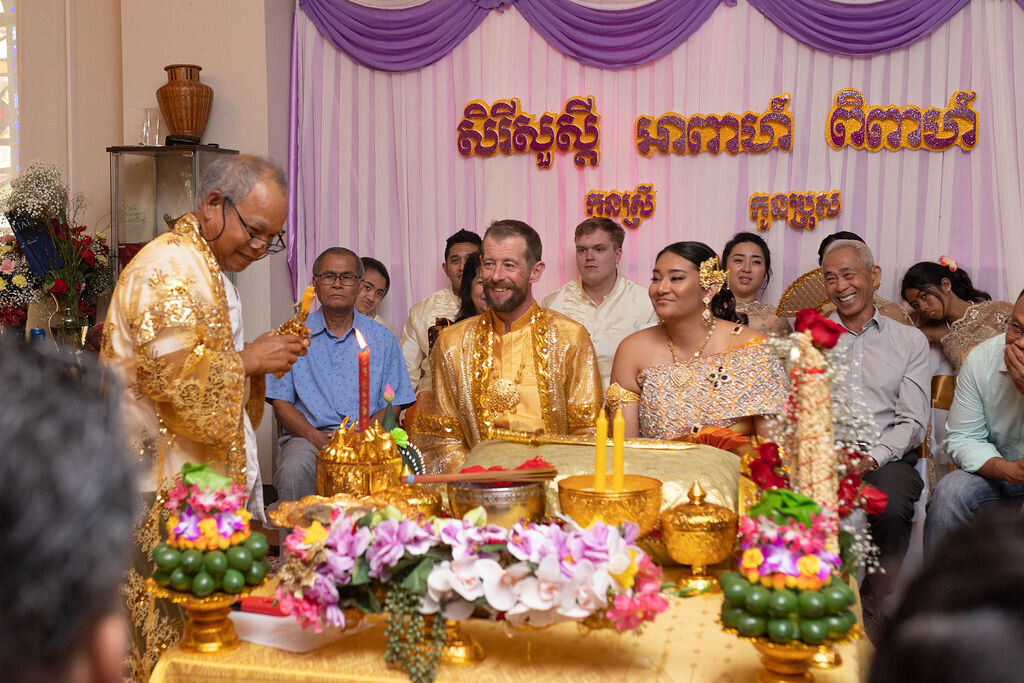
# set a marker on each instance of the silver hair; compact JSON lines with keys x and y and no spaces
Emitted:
{"x":863,"y":251}
{"x":235,"y":175}
{"x":339,"y":251}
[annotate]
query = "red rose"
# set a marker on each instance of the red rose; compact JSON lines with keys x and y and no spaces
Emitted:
{"x":875,"y":501}
{"x":86,"y":240}
{"x":59,"y":287}
{"x":89,"y":257}
{"x":824,"y":332}
{"x":766,"y":470}
{"x":848,"y":494}
{"x":77,"y":286}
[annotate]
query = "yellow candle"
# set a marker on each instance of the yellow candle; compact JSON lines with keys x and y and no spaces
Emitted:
{"x":618,"y":451}
{"x":601,"y":453}
{"x":307,"y":301}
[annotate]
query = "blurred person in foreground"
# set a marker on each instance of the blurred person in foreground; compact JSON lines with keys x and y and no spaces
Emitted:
{"x":962,"y":618}
{"x":67,"y":513}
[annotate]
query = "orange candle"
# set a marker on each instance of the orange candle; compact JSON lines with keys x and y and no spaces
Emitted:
{"x":364,"y":382}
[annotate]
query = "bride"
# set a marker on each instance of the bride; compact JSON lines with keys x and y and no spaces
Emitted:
{"x":700,"y":367}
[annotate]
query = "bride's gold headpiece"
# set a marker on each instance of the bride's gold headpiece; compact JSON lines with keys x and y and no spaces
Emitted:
{"x":711,"y":274}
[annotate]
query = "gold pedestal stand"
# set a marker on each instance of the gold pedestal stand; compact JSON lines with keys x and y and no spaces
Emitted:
{"x":827,"y":657}
{"x":208,"y":629}
{"x":784,"y":663}
{"x":459,"y":647}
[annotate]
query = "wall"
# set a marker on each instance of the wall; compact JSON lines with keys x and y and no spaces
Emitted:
{"x":94,"y":50}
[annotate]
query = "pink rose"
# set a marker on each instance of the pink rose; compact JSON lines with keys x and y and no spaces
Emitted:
{"x":7,"y":266}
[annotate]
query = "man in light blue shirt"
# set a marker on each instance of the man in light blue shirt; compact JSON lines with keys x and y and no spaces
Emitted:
{"x":315,"y":396}
{"x":984,"y":434}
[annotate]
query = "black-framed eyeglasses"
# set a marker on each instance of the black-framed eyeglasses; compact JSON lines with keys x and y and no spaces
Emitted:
{"x":255,"y":241}
{"x":348,"y":278}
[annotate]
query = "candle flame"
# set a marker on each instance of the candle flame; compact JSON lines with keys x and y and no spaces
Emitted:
{"x":359,"y":338}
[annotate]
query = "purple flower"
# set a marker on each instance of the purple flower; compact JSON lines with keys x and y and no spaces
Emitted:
{"x":334,"y":616}
{"x":188,"y":524}
{"x":386,"y":550}
{"x":228,"y":523}
{"x":526,"y":543}
{"x":347,"y":539}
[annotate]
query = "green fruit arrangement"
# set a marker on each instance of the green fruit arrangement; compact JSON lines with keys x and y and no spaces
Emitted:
{"x":786,"y":615}
{"x":203,"y":572}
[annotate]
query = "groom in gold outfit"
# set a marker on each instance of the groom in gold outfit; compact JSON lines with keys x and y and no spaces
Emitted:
{"x":516,"y":368}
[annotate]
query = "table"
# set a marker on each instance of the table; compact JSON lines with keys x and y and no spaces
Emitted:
{"x":685,"y":643}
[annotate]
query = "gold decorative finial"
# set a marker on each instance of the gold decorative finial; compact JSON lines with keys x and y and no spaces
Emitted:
{"x":711,"y":274}
{"x":697,"y":493}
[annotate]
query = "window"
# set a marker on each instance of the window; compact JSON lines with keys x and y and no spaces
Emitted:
{"x":9,"y":131}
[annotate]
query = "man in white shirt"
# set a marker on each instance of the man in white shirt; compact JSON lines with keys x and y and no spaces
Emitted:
{"x":609,"y":305}
{"x":443,"y":303}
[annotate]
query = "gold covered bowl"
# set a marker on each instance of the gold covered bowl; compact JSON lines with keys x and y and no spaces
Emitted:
{"x":638,"y":502}
{"x":698,"y":534}
{"x":505,"y":505}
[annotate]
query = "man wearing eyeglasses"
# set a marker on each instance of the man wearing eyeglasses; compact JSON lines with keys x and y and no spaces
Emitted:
{"x":173,"y":336}
{"x":173,"y":333}
{"x":321,"y":389}
{"x":984,"y":434}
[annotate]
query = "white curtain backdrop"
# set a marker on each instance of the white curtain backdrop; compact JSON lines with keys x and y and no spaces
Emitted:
{"x":378,"y":169}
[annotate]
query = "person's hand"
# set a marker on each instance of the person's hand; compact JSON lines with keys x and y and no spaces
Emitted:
{"x":1014,"y":358}
{"x":319,"y":439}
{"x":865,"y":465}
{"x":272,"y":352}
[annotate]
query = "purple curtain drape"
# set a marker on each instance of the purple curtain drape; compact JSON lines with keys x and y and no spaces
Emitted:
{"x":400,"y":39}
{"x":858,"y":30}
{"x":613,"y":39}
{"x":411,"y":38}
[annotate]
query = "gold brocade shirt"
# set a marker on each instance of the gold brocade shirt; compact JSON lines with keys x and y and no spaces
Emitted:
{"x":679,"y":399}
{"x":541,"y":376}
{"x":168,"y":338}
{"x":626,"y":309}
{"x":982,"y":321}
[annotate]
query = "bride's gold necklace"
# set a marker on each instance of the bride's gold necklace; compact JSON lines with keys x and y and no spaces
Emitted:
{"x":681,"y":374}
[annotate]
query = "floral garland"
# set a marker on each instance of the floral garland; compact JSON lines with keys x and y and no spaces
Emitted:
{"x":536,"y":574}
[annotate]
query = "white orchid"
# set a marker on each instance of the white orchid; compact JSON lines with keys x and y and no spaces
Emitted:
{"x":500,"y":583}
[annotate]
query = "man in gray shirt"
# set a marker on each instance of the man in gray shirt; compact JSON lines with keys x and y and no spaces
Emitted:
{"x":891,"y":367}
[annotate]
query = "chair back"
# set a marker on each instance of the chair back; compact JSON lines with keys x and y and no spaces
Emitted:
{"x":943,"y":387}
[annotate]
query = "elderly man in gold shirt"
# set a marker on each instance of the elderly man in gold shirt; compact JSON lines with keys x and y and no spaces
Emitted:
{"x":517,"y":367}
{"x":192,"y":390}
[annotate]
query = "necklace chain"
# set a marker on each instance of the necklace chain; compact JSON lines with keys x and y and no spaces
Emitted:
{"x":700,"y":349}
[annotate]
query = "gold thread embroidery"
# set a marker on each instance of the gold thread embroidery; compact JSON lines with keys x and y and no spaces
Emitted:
{"x":541,"y":358}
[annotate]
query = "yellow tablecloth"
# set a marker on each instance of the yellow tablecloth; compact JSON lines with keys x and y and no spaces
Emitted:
{"x":683,"y":644}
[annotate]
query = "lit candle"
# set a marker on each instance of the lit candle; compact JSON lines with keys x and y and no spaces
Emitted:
{"x":618,"y":451}
{"x":601,"y":453}
{"x":364,"y":383}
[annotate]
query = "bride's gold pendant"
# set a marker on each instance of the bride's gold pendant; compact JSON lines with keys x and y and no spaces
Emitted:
{"x":503,"y":396}
{"x":681,"y":375}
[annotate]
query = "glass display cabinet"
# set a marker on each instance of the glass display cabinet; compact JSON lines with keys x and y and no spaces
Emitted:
{"x":150,"y":188}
